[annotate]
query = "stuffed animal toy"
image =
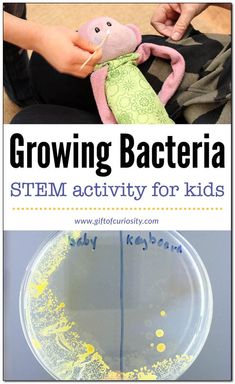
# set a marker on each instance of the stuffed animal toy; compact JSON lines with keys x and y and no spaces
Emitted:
{"x":122,"y":94}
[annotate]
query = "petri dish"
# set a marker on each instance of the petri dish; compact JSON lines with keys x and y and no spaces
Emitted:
{"x":116,"y":305}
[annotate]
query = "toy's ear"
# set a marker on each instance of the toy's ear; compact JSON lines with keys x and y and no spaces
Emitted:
{"x":136,"y":31}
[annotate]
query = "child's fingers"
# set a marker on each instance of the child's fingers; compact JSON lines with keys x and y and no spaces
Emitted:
{"x":78,"y":68}
{"x":163,"y":29}
{"x":96,"y":57}
{"x":82,"y":43}
{"x":158,"y":20}
{"x":86,"y":71}
{"x":182,"y":24}
{"x":169,"y":22}
{"x":92,"y":60}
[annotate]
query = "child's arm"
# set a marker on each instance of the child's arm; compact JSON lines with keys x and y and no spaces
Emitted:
{"x":98,"y":86}
{"x":63,"y":48}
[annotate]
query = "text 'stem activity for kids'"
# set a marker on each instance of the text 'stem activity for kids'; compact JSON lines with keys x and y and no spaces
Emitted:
{"x":117,"y":191}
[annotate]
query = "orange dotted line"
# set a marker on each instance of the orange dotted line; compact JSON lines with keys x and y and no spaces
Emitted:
{"x":117,"y":209}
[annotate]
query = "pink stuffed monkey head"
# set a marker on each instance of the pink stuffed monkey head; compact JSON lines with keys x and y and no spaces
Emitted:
{"x":122,"y":39}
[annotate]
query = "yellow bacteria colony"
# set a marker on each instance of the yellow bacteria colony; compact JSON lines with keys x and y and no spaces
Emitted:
{"x":57,"y":343}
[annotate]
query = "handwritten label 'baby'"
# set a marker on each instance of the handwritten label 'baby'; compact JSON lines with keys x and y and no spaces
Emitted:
{"x":83,"y":241}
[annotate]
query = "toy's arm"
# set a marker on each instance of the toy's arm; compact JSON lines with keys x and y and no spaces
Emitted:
{"x":98,"y":86}
{"x":177,"y":62}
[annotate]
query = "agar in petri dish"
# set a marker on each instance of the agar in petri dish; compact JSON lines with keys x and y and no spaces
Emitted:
{"x":116,"y":305}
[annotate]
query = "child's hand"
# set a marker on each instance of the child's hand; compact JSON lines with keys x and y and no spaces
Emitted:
{"x":172,"y":20}
{"x":66,"y":51}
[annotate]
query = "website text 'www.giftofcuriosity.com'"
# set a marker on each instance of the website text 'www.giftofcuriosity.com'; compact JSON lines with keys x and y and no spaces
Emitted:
{"x":116,"y":221}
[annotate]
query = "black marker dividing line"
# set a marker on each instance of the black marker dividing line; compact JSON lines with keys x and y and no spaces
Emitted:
{"x":121,"y":304}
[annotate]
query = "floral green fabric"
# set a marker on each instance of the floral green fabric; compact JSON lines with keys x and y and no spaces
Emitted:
{"x":129,"y":95}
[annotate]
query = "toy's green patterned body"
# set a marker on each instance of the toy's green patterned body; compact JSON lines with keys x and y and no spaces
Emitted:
{"x":129,"y":95}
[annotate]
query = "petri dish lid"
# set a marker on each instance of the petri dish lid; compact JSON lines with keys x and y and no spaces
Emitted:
{"x":116,"y":305}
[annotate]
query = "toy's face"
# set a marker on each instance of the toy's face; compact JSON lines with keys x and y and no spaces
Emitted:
{"x":122,"y":39}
